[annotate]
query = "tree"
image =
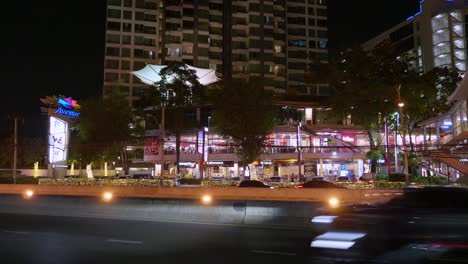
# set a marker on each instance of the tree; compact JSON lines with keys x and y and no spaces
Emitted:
{"x":244,"y":111}
{"x":427,"y":95}
{"x":363,"y":86}
{"x":106,"y":126}
{"x":179,"y":91}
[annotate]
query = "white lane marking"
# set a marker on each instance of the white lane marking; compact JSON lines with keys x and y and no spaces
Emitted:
{"x":274,"y":252}
{"x":123,"y":241}
{"x":16,"y":232}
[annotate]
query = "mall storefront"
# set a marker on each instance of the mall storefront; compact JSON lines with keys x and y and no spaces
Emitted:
{"x":322,"y":154}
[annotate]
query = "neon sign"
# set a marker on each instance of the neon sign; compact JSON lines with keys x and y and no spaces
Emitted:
{"x":66,"y":107}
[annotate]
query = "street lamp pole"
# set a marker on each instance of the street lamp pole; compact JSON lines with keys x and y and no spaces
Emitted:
{"x":299,"y":151}
{"x":403,"y":131}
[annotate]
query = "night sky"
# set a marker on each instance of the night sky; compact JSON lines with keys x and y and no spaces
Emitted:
{"x":56,"y":47}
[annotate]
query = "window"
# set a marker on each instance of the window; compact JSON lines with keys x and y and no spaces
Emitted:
{"x":111,"y":38}
{"x":114,"y":2}
{"x":323,"y":44}
{"x":111,"y":51}
{"x":140,"y":4}
{"x":188,"y":24}
{"x":139,"y":16}
{"x":128,"y":3}
{"x":277,"y":48}
{"x":137,"y":65}
{"x":173,"y":52}
{"x":127,"y":40}
{"x":322,"y":23}
{"x":203,"y":52}
{"x":111,"y":76}
{"x":187,"y":49}
{"x":139,"y":28}
{"x":321,"y":12}
{"x":125,"y":65}
{"x":125,"y":52}
{"x":113,"y":13}
{"x":112,"y":64}
{"x":113,"y":26}
{"x":127,"y":15}
{"x":297,"y":43}
{"x":296,"y":20}
{"x":126,"y":27}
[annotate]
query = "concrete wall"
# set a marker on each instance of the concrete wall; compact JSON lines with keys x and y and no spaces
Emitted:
{"x":291,"y":214}
{"x":241,"y":206}
{"x":218,"y":193}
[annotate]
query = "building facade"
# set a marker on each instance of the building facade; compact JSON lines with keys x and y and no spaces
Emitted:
{"x":434,"y":36}
{"x":273,"y":39}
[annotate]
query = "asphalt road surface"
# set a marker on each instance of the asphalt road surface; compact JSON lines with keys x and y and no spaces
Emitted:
{"x":52,"y":239}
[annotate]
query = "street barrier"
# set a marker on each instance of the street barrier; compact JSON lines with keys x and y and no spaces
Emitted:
{"x":239,"y":206}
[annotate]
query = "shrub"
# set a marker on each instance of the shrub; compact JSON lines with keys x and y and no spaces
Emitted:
{"x":356,"y":185}
{"x":20,"y":179}
{"x":106,"y":182}
{"x":389,"y":185}
{"x":218,"y":183}
{"x":381,"y":177}
{"x":396,"y":177}
{"x":283,"y":184}
{"x":437,"y":180}
{"x":462,"y":181}
{"x":189,"y":181}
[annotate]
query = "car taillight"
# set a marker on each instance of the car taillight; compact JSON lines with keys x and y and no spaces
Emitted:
{"x":238,"y":185}
{"x":371,"y":181}
{"x":300,"y":186}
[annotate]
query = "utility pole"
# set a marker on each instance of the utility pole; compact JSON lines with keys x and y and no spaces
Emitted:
{"x":299,"y":151}
{"x":403,"y":131}
{"x":15,"y":148}
{"x":161,"y":144}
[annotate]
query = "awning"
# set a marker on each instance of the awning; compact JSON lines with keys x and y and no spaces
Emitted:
{"x":150,"y":74}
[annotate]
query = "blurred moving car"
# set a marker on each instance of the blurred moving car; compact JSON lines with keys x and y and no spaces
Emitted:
{"x":420,"y":225}
{"x":217,"y":178}
{"x":234,"y":178}
{"x":319,"y":184}
{"x":254,"y":183}
{"x":319,"y":178}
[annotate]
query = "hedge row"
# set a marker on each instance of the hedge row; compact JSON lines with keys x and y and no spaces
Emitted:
{"x":106,"y":182}
{"x":19,"y":180}
{"x":219,"y":183}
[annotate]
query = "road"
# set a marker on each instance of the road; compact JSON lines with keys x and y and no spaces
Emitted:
{"x":46,"y":239}
{"x":62,"y":240}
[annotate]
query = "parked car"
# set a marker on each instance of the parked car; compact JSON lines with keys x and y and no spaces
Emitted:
{"x":142,"y":176}
{"x":254,"y":184}
{"x":234,"y":178}
{"x":343,"y":179}
{"x":423,"y":223}
{"x":217,"y":178}
{"x":274,"y":179}
{"x":319,"y":184}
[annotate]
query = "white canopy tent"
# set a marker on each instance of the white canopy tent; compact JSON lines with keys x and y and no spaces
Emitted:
{"x":150,"y":74}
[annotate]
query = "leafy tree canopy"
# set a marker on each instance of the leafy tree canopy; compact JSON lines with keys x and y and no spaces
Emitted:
{"x":244,"y":111}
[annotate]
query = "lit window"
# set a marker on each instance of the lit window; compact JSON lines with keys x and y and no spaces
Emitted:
{"x":277,"y":48}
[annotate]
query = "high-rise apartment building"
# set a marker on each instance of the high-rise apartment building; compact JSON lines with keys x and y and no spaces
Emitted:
{"x":275,"y":39}
{"x":434,"y":36}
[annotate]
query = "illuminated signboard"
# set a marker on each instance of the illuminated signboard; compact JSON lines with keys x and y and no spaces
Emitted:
{"x":58,"y":139}
{"x":67,"y":107}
